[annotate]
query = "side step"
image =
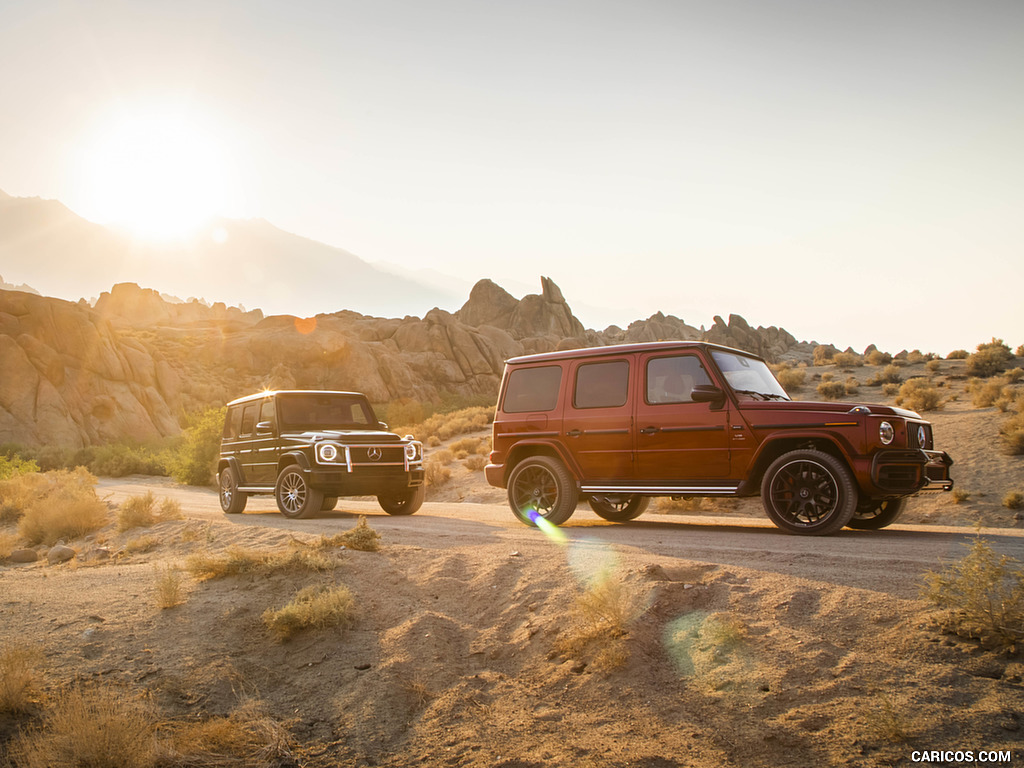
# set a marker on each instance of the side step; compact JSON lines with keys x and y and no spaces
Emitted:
{"x":663,"y":490}
{"x":255,"y":489}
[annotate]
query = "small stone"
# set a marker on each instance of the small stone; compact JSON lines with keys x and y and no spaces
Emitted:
{"x":23,"y":555}
{"x":59,"y":554}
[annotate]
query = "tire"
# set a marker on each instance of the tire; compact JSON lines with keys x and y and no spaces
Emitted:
{"x":619,"y":509}
{"x":874,"y":514}
{"x":809,"y":492}
{"x":295,"y":499}
{"x":541,"y":487}
{"x":330,"y":502}
{"x":231,"y":500}
{"x":405,"y":503}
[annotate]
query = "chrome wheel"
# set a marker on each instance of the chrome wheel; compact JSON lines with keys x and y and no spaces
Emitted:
{"x":294,"y":496}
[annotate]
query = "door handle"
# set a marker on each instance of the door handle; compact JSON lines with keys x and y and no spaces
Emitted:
{"x":649,"y":430}
{"x":573,"y":433}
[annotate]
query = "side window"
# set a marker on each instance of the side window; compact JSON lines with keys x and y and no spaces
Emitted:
{"x":249,"y":419}
{"x":532,"y":389}
{"x":359,"y":414}
{"x":672,"y":379}
{"x":233,"y":423}
{"x":268,"y":412}
{"x":602,"y":385}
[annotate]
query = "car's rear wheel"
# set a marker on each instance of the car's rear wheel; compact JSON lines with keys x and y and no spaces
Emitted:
{"x":405,"y":503}
{"x":295,"y":499}
{"x":540,"y":487}
{"x":809,"y":492}
{"x":330,"y":502}
{"x":232,"y":501}
{"x":874,"y":514}
{"x":619,"y":508}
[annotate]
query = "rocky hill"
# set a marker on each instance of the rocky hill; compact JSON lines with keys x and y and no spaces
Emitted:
{"x":132,"y":366}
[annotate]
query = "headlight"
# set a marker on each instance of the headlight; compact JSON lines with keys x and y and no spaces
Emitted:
{"x":327,"y":452}
{"x":886,"y":433}
{"x":410,"y":451}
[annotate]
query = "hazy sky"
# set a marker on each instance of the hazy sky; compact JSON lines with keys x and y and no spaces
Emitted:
{"x":852,"y":171}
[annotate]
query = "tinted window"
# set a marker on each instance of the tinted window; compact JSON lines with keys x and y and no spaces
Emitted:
{"x":602,"y":385}
{"x":326,"y":410}
{"x":532,"y":389}
{"x":233,"y":423}
{"x":249,"y":419}
{"x":267,"y":412}
{"x":672,"y":379}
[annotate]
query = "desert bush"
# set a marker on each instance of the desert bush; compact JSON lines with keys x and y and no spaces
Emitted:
{"x":983,"y":596}
{"x":90,"y":727}
{"x":247,"y":738}
{"x":990,"y":359}
{"x":314,"y":607}
{"x":877,"y":358}
{"x":985,"y":393}
{"x":823,"y":354}
{"x":195,"y":460}
{"x":20,"y":678}
{"x":362,"y":537}
{"x":831,"y":390}
{"x":239,"y":560}
{"x":8,"y":543}
{"x":919,"y":394}
{"x":18,"y":492}
{"x":851,"y":385}
{"x":142,"y":511}
{"x":141,"y":544}
{"x":10,"y":466}
{"x":168,"y":586}
{"x":121,"y":459}
{"x":1013,"y":500}
{"x":443,"y":457}
{"x":598,"y":623}
{"x":886,"y":721}
{"x":66,"y":508}
{"x":468,"y":446}
{"x":1019,"y":352}
{"x":915,"y":357}
{"x":958,"y":354}
{"x":446,"y":425}
{"x":933,"y":366}
{"x":791,"y":379}
{"x":1014,"y":375}
{"x":405,"y":410}
{"x":436,"y":473}
{"x":890,"y":390}
{"x":847,"y":360}
{"x":1012,"y":434}
{"x":960,"y":496}
{"x":476,"y":463}
{"x":889,"y":375}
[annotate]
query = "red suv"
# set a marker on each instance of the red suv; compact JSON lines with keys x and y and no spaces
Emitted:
{"x":619,"y":425}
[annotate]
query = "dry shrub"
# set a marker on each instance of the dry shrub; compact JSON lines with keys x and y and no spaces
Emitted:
{"x":468,"y":446}
{"x":142,"y":512}
{"x":990,"y":359}
{"x":877,"y":358}
{"x":920,"y":395}
{"x":983,"y":596}
{"x":886,"y":721}
{"x":141,"y":544}
{"x":476,"y":463}
{"x":1013,"y":500}
{"x":890,"y":390}
{"x":239,"y":560}
{"x":90,"y":727}
{"x":8,"y":543}
{"x":889,"y":375}
{"x":599,"y":622}
{"x":1012,"y":433}
{"x":247,"y":738}
{"x":960,"y":496}
{"x":362,"y":537}
{"x":446,"y":425}
{"x":847,"y":360}
{"x":831,"y":390}
{"x":314,"y":607}
{"x":933,"y":366}
{"x":169,"y":587}
{"x":1014,"y":375}
{"x":985,"y":394}
{"x":823,"y":355}
{"x":20,"y":684}
{"x":851,"y":385}
{"x":958,"y":354}
{"x":66,"y":508}
{"x":18,"y":492}
{"x":436,"y":473}
{"x":791,"y":379}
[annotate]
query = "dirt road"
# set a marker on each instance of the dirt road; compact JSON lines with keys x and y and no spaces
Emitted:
{"x":889,"y":561}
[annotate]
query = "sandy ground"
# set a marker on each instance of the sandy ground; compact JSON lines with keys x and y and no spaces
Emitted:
{"x":743,"y":646}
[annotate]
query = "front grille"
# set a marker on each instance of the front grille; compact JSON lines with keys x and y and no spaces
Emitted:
{"x":913,"y":440}
{"x":377,"y":454}
{"x":898,"y":477}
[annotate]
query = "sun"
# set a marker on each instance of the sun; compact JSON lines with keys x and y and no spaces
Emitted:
{"x":158,"y":173}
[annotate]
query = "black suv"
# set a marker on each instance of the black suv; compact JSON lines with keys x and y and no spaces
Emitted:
{"x":310,"y":447}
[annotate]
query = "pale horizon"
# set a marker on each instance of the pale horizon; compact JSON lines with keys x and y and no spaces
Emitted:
{"x":851,"y":173}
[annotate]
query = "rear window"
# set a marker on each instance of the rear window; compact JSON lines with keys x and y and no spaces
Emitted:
{"x":532,"y":389}
{"x":602,"y":385}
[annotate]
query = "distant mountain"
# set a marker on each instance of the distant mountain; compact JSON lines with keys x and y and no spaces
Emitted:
{"x":250,"y":262}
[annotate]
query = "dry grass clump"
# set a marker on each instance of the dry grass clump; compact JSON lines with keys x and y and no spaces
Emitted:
{"x":436,"y":473}
{"x":18,"y":492}
{"x":886,"y":721}
{"x":933,"y":366}
{"x":362,"y":537}
{"x":142,"y":512}
{"x":1012,"y":433}
{"x":599,"y":622}
{"x":8,"y":543}
{"x":476,"y":463}
{"x":1013,"y":500}
{"x":313,"y":607}
{"x":90,"y":727}
{"x":238,"y":560}
{"x":20,"y":678}
{"x":468,"y":446}
{"x":985,"y":394}
{"x":831,"y":390}
{"x":990,"y":359}
{"x":847,"y":360}
{"x":960,"y":496}
{"x":983,"y":596}
{"x":141,"y":544}
{"x":889,"y":375}
{"x":443,"y":457}
{"x":247,"y":738}
{"x":877,"y":358}
{"x":792,"y":379}
{"x":66,"y":507}
{"x":958,"y":354}
{"x":168,"y":587}
{"x":920,"y":395}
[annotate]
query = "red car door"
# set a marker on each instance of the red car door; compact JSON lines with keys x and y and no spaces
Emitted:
{"x":597,"y":423}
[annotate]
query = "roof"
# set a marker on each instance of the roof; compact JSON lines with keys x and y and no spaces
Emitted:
{"x":271,"y":393}
{"x":623,"y":349}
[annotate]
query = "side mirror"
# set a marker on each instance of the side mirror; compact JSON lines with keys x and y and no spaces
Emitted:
{"x":265,"y":428}
{"x":705,"y":393}
{"x":381,"y":425}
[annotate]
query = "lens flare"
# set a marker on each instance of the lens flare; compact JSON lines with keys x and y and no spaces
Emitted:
{"x":546,"y":527}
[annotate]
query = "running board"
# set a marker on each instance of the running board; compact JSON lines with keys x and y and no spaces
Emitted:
{"x":663,"y":490}
{"x":256,"y":489}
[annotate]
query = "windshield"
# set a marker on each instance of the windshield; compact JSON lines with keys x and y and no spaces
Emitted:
{"x":749,"y":376}
{"x":324,"y":410}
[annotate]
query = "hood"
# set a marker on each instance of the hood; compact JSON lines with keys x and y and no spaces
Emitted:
{"x":803,"y":406}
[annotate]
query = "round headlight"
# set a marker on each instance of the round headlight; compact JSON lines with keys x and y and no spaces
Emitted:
{"x":328,"y":452}
{"x":886,"y":433}
{"x":410,"y":451}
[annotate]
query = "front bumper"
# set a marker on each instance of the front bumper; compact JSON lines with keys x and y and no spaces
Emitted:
{"x":908,"y":471}
{"x":365,"y":482}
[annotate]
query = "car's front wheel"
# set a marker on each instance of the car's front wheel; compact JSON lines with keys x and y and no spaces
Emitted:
{"x":232,"y":501}
{"x":404,"y":503}
{"x":809,"y":492}
{"x":540,"y":487}
{"x":618,"y":508}
{"x":874,"y":514}
{"x":330,"y":502}
{"x":295,"y":499}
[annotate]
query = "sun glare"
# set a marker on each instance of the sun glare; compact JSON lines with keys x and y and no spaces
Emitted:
{"x":159,"y":175}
